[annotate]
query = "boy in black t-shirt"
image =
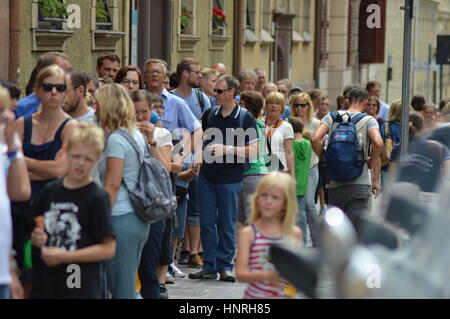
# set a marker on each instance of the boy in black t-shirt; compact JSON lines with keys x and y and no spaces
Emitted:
{"x":74,"y":230}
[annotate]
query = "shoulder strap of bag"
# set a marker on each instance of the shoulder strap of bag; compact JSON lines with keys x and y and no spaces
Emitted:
{"x":358,"y":117}
{"x":211,"y":113}
{"x":201,"y":102}
{"x":134,"y":144}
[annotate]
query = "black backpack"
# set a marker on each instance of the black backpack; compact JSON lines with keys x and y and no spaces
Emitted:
{"x":153,"y":198}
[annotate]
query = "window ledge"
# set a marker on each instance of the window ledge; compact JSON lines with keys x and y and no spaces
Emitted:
{"x":218,"y":42}
{"x":187,"y":42}
{"x":103,"y":40}
{"x":296,"y":37}
{"x":307,"y":38}
{"x":250,"y":37}
{"x":50,"y":40}
{"x":266,"y":38}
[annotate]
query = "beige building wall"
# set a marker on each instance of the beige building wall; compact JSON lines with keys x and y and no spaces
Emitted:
{"x":79,"y":47}
{"x":336,"y":73}
{"x":444,"y":28}
{"x":199,"y":43}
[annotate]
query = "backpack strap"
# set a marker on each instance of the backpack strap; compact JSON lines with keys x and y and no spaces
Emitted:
{"x":242,"y":113}
{"x":334,"y":116}
{"x":358,"y":117}
{"x":200,"y":100}
{"x":134,"y":144}
{"x":211,"y":113}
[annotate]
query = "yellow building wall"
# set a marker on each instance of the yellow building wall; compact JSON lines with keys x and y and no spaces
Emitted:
{"x":204,"y":51}
{"x":78,"y":47}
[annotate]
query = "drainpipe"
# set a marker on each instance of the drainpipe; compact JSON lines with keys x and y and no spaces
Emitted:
{"x":14,"y":41}
{"x":238,"y":34}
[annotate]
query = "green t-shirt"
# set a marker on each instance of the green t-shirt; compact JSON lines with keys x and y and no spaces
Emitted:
{"x":302,"y":158}
{"x":257,"y":165}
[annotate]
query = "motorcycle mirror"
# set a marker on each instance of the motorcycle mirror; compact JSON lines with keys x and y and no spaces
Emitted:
{"x":337,"y":238}
{"x":371,"y":232}
{"x":301,"y":268}
{"x":362,"y":274}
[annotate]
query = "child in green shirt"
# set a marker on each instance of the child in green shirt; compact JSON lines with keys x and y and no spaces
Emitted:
{"x":301,"y":148}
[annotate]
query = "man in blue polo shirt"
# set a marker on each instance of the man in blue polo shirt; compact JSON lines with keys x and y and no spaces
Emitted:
{"x":230,"y":137}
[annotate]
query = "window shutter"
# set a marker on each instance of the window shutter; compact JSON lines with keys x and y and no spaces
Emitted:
{"x":324,"y":26}
{"x":371,"y":41}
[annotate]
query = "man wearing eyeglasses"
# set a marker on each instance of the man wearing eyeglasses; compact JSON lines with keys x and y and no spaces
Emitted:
{"x":189,"y":76}
{"x":180,"y":121}
{"x":221,"y":176}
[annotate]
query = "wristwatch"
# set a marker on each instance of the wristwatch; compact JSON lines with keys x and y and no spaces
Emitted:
{"x":229,"y":149}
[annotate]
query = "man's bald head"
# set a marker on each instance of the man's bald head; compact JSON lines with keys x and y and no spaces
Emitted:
{"x":220,"y":67}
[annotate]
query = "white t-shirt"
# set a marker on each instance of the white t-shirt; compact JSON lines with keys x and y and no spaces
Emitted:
{"x":163,"y":137}
{"x":5,"y":219}
{"x":279,"y":135}
{"x":311,"y":127}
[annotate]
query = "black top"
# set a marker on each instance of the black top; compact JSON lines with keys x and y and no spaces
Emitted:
{"x":74,"y":219}
{"x":423,"y":163}
{"x":227,"y":169}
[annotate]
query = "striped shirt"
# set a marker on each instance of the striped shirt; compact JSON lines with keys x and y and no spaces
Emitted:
{"x":260,"y":261}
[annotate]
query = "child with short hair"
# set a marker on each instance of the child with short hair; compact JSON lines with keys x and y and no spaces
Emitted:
{"x":302,"y":149}
{"x":274,"y":208}
{"x":74,"y":229}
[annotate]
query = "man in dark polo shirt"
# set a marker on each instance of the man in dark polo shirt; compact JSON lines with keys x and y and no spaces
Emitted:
{"x":230,"y":137}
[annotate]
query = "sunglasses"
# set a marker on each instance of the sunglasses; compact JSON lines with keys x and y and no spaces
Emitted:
{"x":218,"y":91}
{"x":372,"y":105}
{"x":296,"y":105}
{"x":47,"y":87}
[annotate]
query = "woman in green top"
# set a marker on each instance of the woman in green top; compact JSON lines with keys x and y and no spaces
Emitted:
{"x":254,"y":102}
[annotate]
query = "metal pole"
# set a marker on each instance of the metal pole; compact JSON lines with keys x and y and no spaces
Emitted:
{"x":409,"y":11}
{"x":441,"y":82}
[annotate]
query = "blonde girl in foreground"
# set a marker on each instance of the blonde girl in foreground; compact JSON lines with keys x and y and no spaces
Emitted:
{"x":274,"y":208}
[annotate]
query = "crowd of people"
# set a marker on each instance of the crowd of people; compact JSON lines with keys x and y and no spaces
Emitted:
{"x":244,"y":154}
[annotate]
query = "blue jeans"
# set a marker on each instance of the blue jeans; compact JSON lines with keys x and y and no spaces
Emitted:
{"x":150,"y":261}
{"x":218,"y":217}
{"x":178,"y":232}
{"x":4,"y":292}
{"x":301,"y":217}
{"x":131,"y":235}
{"x":193,"y":209}
{"x":311,"y":211}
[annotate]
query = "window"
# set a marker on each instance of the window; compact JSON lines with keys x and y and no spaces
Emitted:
{"x":51,"y":14}
{"x":218,"y":18}
{"x":250,"y":16}
{"x":250,"y":23}
{"x":187,"y":21}
{"x":266,"y":30}
{"x":307,"y":16}
{"x":102,"y":16}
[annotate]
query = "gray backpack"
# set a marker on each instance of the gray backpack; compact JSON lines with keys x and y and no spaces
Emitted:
{"x":153,"y":198}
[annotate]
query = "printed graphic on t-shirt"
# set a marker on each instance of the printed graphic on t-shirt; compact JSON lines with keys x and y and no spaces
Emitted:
{"x":62,"y":226}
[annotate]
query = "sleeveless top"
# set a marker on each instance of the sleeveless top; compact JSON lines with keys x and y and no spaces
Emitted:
{"x":43,"y":152}
{"x":260,"y":261}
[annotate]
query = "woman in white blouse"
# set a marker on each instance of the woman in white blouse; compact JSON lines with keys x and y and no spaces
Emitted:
{"x":279,"y":135}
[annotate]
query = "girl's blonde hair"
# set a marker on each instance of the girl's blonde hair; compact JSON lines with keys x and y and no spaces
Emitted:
{"x":52,"y":70}
{"x":307,"y":98}
{"x":395,"y":111}
{"x":286,"y":183}
{"x":88,"y":134}
{"x":277,"y":98}
{"x":116,"y":107}
{"x":5,"y":98}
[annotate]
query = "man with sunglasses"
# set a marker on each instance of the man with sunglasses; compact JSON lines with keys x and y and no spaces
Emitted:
{"x":221,"y":177}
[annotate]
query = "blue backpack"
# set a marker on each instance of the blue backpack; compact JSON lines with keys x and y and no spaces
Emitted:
{"x":344,"y":154}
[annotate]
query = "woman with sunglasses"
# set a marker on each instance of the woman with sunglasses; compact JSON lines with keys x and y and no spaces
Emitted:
{"x":373,"y":109}
{"x":279,"y":135}
{"x":302,"y":107}
{"x":43,"y":136}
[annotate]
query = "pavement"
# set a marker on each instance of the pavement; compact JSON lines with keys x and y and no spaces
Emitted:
{"x":185,"y":288}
